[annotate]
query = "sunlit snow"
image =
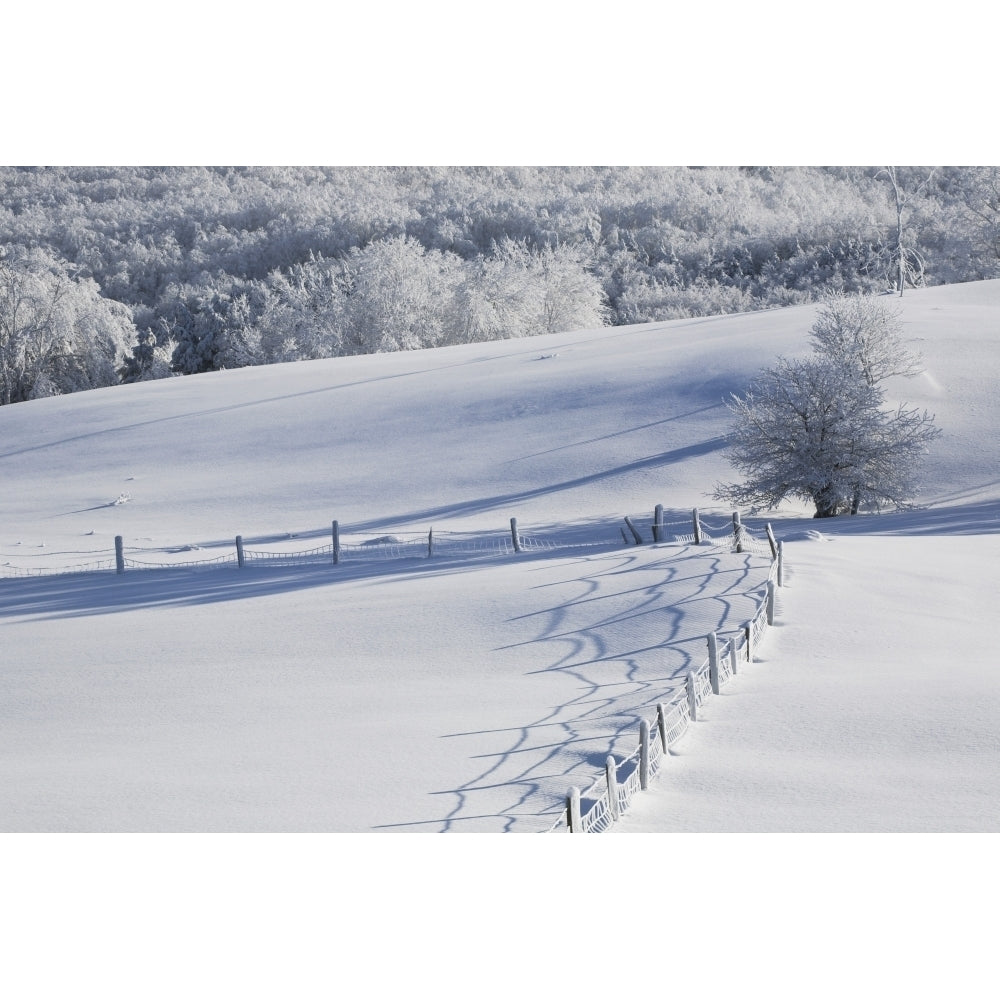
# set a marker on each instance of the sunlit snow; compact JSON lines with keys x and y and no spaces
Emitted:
{"x":466,"y":688}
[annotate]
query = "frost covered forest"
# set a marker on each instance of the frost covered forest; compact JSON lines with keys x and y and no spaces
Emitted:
{"x":123,"y":274}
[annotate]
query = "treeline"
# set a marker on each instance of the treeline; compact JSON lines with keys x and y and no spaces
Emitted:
{"x":128,"y":273}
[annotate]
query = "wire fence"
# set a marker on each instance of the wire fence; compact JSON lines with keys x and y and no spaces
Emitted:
{"x":273,"y":552}
{"x":99,"y":566}
{"x":596,"y":808}
{"x":351,"y":549}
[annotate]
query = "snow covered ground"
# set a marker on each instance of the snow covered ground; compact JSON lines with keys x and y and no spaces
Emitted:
{"x":871,"y":707}
{"x":466,"y":692}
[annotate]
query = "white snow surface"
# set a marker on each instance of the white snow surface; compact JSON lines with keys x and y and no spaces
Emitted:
{"x":871,"y":706}
{"x":467,"y":690}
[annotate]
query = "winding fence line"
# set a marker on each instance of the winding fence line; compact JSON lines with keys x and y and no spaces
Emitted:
{"x":596,"y":808}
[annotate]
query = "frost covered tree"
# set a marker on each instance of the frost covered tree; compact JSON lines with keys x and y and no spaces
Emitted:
{"x":210,"y":332}
{"x":147,"y":360}
{"x":820,"y":429}
{"x":400,"y":297}
{"x":302,"y":316}
{"x":572,"y":296}
{"x":503,"y":295}
{"x":862,"y":332}
{"x":58,"y":334}
{"x":907,"y":261}
{"x":980,"y":195}
{"x":517,"y":292}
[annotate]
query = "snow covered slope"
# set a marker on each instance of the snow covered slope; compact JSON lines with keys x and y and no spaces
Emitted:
{"x":421,"y":694}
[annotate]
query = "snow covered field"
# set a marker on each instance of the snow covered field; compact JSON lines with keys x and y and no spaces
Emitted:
{"x":871,"y":707}
{"x":466,"y":692}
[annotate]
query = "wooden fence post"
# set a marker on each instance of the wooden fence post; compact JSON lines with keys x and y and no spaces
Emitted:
{"x":513,"y":534}
{"x":692,"y":697}
{"x":336,"y":541}
{"x":573,"y":805}
{"x":770,"y":602}
{"x":732,"y":655}
{"x":713,"y":662}
{"x":611,"y":769}
{"x":240,"y":556}
{"x":697,"y":526}
{"x":661,"y":722}
{"x":644,"y":755}
{"x":748,"y":634}
{"x":430,"y":543}
{"x":771,"y":541}
{"x":658,"y":523}
{"x":635,"y":533}
{"x":781,"y":564}
{"x":737,"y":531}
{"x":119,"y":554}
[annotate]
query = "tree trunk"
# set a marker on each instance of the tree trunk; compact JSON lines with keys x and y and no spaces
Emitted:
{"x":827,"y":502}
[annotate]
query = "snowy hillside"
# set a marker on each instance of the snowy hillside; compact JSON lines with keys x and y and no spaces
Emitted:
{"x":460,"y":692}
